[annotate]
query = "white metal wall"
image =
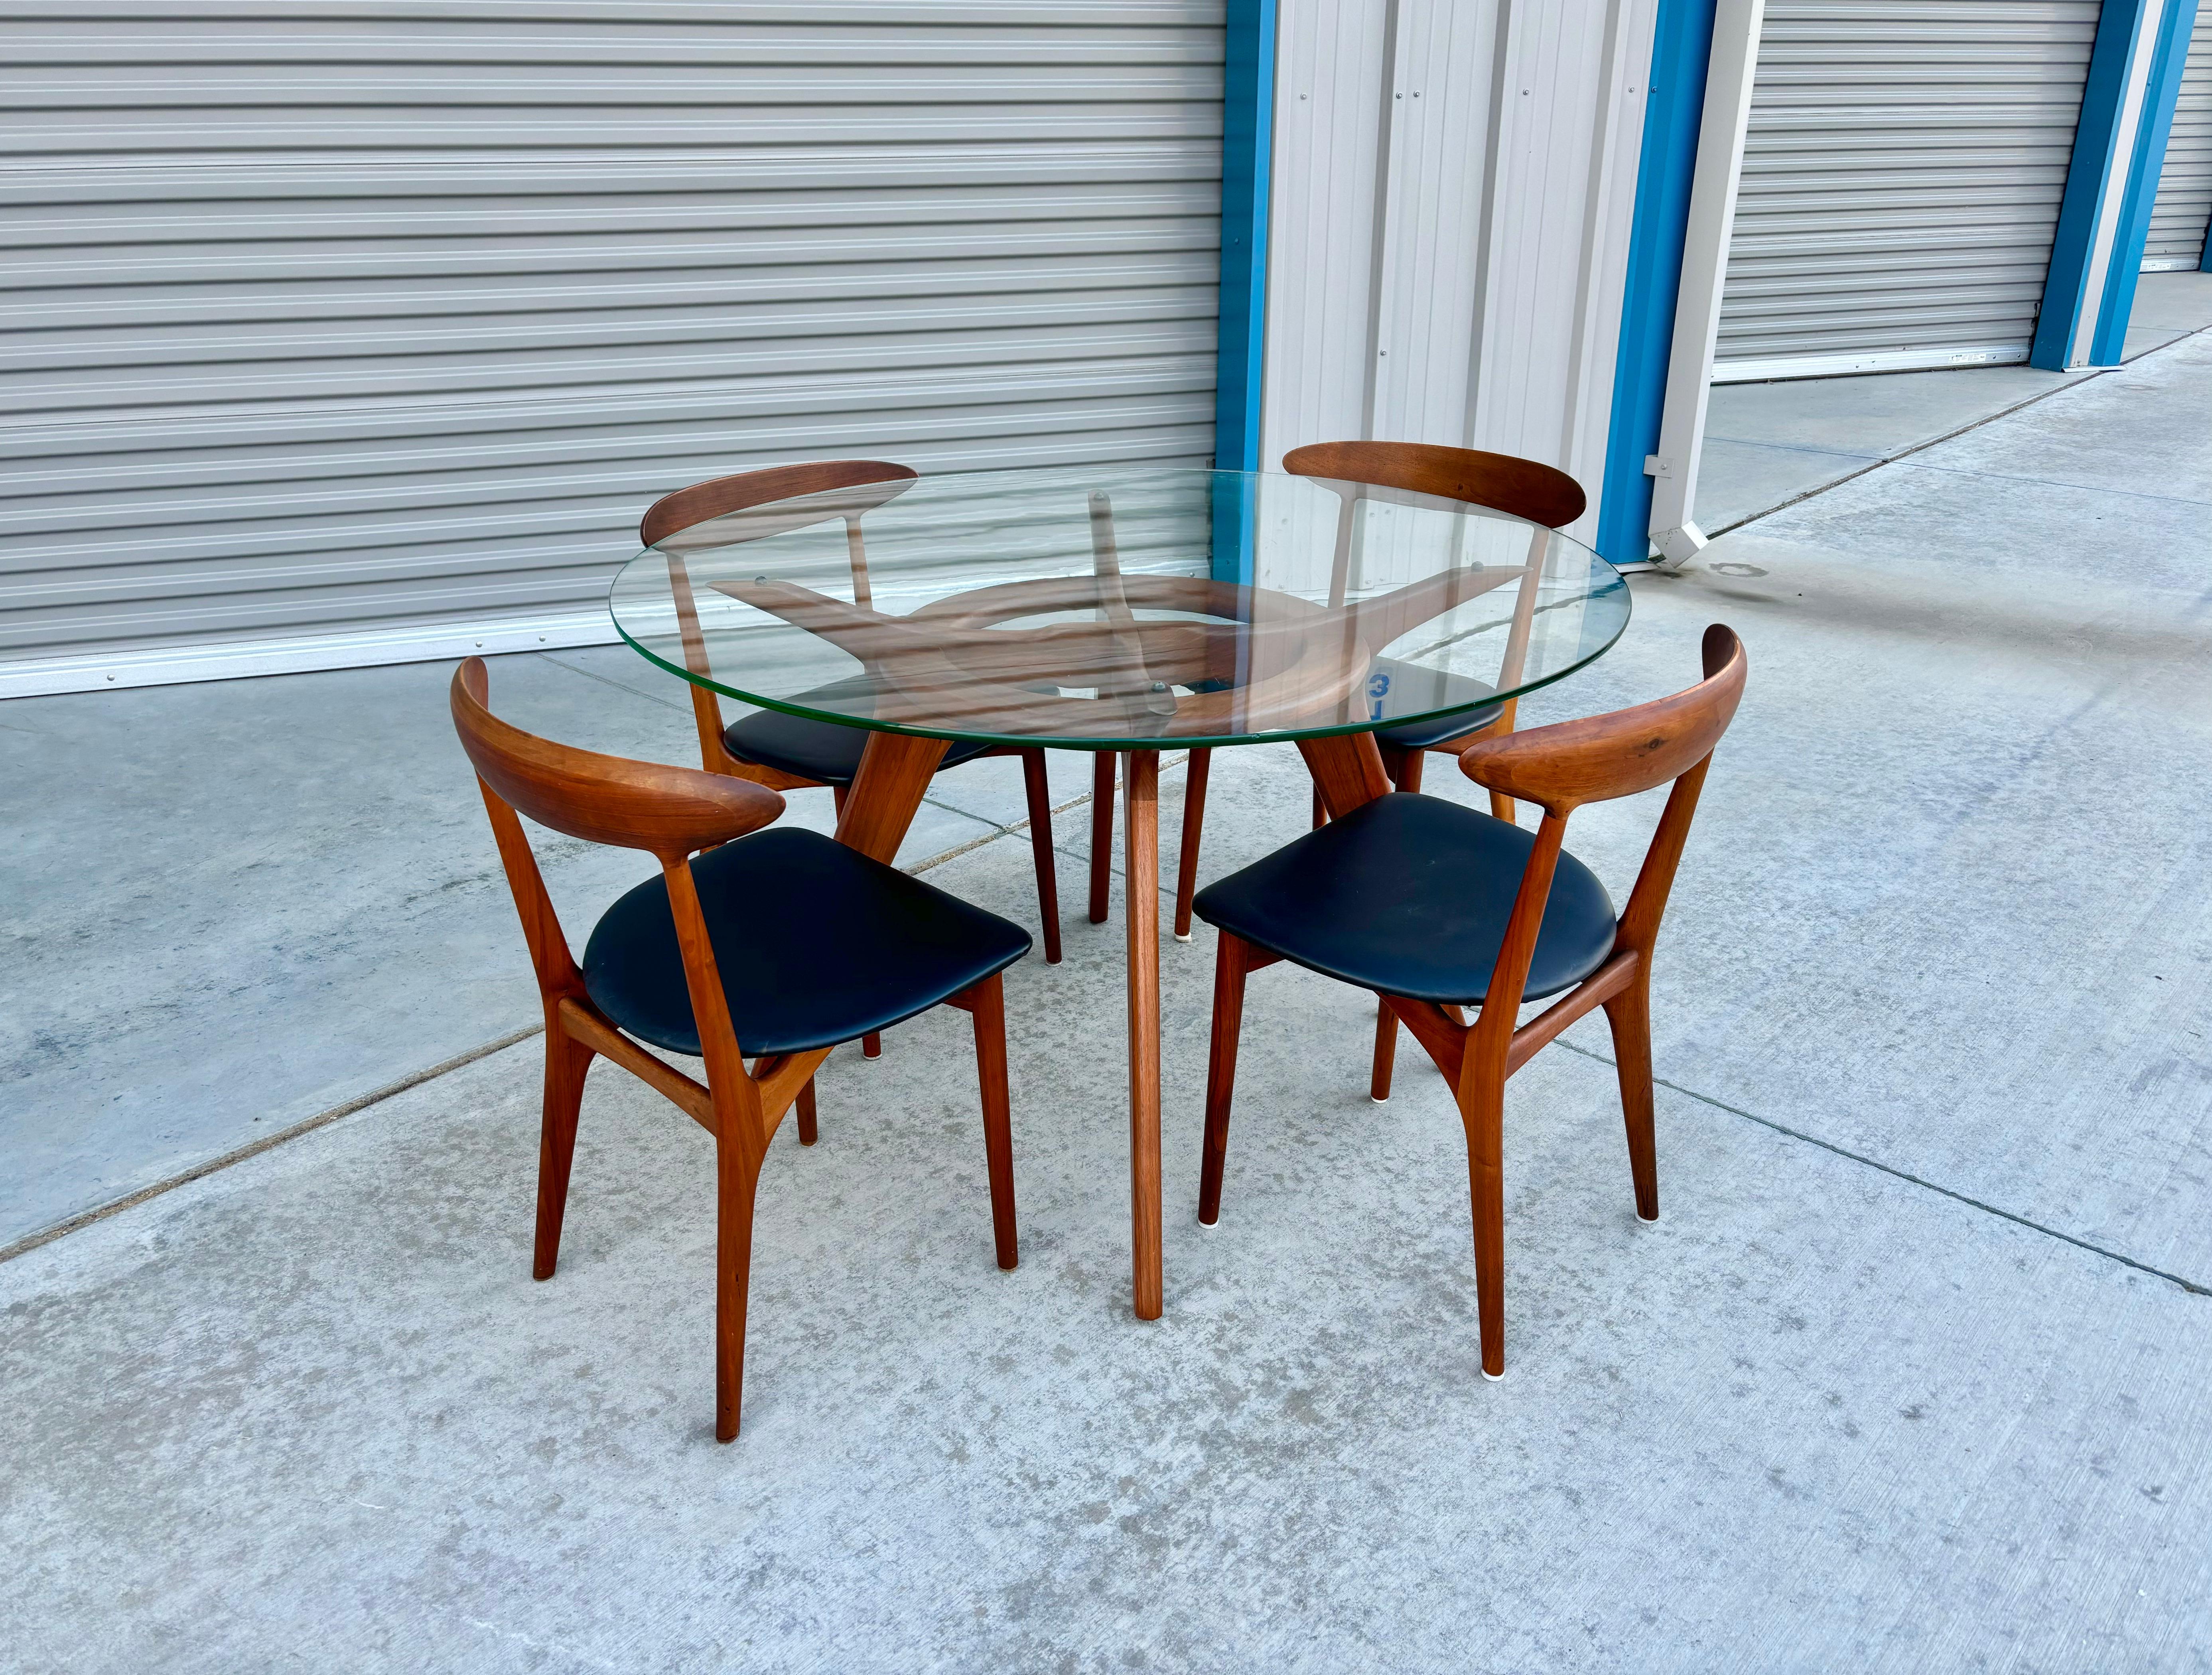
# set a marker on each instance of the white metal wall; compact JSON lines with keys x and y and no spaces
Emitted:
{"x":1901,"y":182}
{"x":2180,"y":214}
{"x":342,"y":331}
{"x":1454,"y":185}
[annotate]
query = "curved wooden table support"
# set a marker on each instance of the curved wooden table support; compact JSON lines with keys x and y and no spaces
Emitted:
{"x":1123,"y":664}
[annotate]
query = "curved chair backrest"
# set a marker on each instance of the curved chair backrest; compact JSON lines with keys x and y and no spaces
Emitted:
{"x":868,"y":483}
{"x":1604,"y":756}
{"x":1593,"y":761}
{"x":671,"y":811}
{"x":828,"y":488}
{"x":1519,"y":488}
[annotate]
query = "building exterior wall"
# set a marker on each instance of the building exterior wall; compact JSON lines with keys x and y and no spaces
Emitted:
{"x":345,"y":334}
{"x":1454,"y":193}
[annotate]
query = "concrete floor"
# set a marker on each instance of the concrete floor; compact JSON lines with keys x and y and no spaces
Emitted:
{"x":293,"y":852}
{"x":1767,"y":444}
{"x":1915,"y":1373}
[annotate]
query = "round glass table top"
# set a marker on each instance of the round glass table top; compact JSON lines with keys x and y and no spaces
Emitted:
{"x":1117,"y":607}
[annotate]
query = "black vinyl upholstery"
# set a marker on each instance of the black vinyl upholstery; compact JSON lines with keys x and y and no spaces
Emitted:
{"x":821,"y":751}
{"x":1409,"y":896}
{"x":1401,"y":687}
{"x":816,"y":942}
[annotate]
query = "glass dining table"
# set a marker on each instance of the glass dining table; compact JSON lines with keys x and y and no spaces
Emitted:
{"x":1124,"y":608}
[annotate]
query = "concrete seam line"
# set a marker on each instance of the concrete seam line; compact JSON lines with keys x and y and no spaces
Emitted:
{"x":1991,"y":418}
{"x":1892,"y":460}
{"x":101,"y":1212}
{"x":619,"y":686}
{"x":2189,"y":1285}
{"x":267,"y":1142}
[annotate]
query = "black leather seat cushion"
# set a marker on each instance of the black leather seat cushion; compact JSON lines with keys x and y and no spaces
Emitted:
{"x":1406,"y":688}
{"x":1409,"y":896}
{"x":816,"y":942}
{"x":821,"y":751}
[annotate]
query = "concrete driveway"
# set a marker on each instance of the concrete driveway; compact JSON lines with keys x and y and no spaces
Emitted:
{"x":1914,"y":1373}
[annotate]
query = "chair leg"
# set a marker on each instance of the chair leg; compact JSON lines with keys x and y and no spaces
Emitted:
{"x":1193,"y":820}
{"x":1629,"y":1012}
{"x":838,"y":795}
{"x":1231,"y":962}
{"x":1102,"y":832}
{"x":567,"y":1060}
{"x":808,"y":1133}
{"x":1404,"y":767}
{"x":1039,"y":792}
{"x":988,"y":1008}
{"x":872,"y":1046}
{"x":1482,"y":1110}
{"x":1386,"y":1052}
{"x":735,"y":1184}
{"x":1319,"y":810}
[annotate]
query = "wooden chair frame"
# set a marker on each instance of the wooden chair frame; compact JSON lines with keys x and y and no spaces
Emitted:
{"x":673,"y":813}
{"x":858,"y":487}
{"x":1417,"y":473}
{"x":1560,"y":768}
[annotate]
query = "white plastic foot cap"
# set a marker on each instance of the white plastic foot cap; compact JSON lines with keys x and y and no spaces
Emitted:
{"x":1493,"y":1377}
{"x":1372,"y":1100}
{"x":1182,"y":935}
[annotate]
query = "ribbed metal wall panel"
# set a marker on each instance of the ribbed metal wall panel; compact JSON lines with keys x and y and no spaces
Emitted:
{"x":1454,"y":186}
{"x":2181,"y":215}
{"x":326,"y":317}
{"x":1901,"y":182}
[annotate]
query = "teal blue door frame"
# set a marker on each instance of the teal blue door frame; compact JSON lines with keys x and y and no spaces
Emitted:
{"x":2119,"y":147}
{"x":1248,"y":137}
{"x":1682,"y":50}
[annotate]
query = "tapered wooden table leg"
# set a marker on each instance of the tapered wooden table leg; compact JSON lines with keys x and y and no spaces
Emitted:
{"x":1141,"y":901}
{"x":895,"y":771}
{"x":873,"y":816}
{"x":1346,"y":769}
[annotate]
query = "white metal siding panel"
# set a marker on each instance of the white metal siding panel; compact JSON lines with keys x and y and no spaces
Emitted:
{"x":1901,"y":182}
{"x":1331,"y":76}
{"x":2180,"y":213}
{"x":1454,"y":182}
{"x":331,"y":318}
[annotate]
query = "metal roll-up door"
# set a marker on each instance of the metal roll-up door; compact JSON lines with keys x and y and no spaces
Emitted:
{"x":1901,"y":180}
{"x":342,"y":333}
{"x":2182,"y":211}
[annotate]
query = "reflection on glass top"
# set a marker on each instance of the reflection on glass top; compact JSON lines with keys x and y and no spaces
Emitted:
{"x":1119,"y":606}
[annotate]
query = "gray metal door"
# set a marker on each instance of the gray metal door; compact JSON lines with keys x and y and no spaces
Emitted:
{"x":1901,"y":181}
{"x":341,"y":332}
{"x":2183,"y":208}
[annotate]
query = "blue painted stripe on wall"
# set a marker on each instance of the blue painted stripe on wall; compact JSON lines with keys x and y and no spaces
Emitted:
{"x":1666,"y":165}
{"x":1681,"y":53}
{"x":2161,"y":93}
{"x":2088,"y":177}
{"x":1247,"y":123}
{"x":1248,"y":136}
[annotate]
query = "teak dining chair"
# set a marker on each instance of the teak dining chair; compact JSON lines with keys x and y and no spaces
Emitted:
{"x":786,"y":752}
{"x":1356,"y":470}
{"x":773,"y":945}
{"x":1435,"y":906}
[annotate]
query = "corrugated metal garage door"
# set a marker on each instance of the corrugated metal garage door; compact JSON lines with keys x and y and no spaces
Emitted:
{"x":341,"y":324}
{"x":1901,"y":181}
{"x":2180,"y":213}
